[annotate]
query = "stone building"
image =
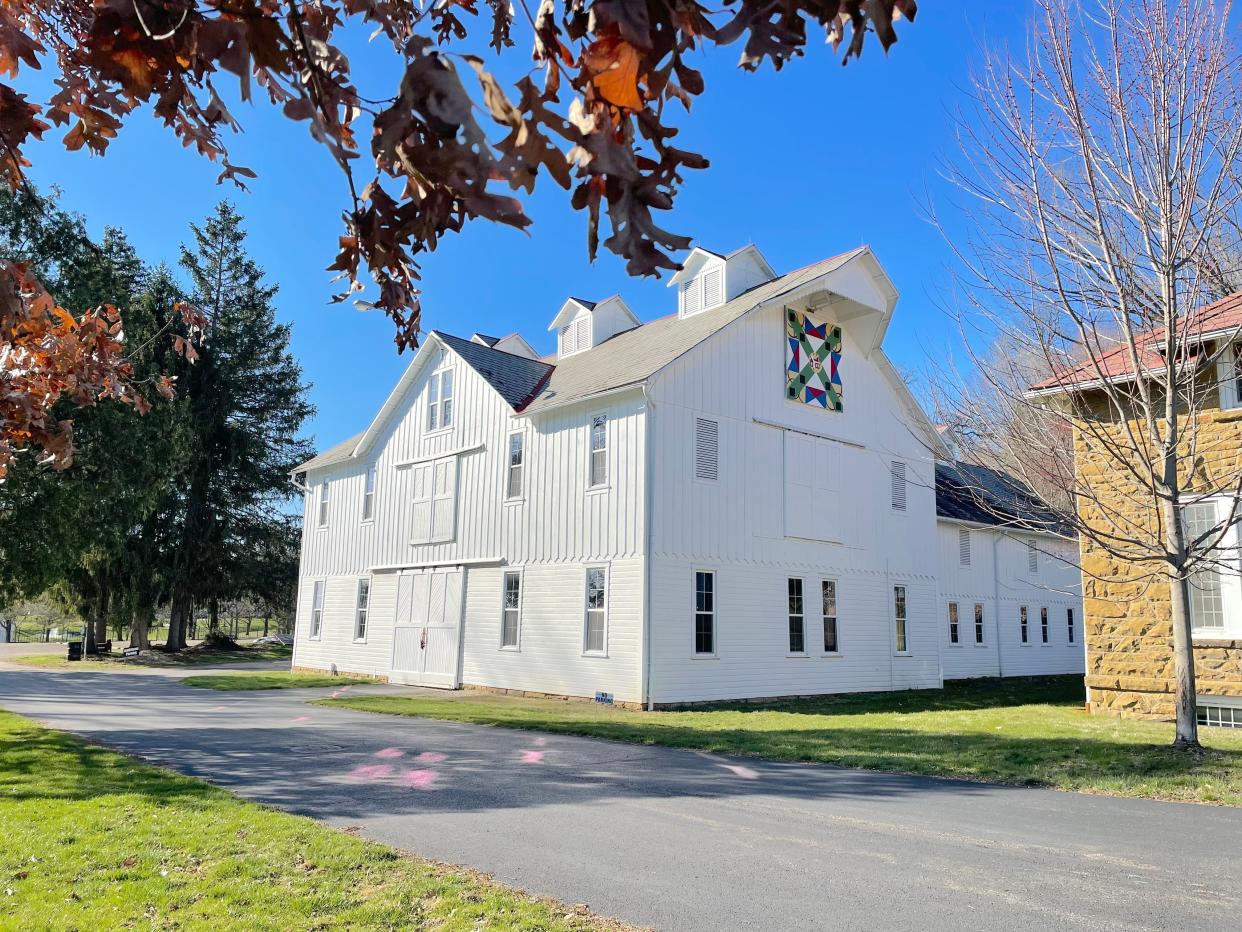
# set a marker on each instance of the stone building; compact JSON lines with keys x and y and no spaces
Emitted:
{"x":1129,"y":631}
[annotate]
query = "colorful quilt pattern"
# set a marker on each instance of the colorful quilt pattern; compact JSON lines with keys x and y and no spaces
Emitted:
{"x":812,"y":362}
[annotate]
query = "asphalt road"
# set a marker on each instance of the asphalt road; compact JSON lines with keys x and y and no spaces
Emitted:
{"x":679,"y":839}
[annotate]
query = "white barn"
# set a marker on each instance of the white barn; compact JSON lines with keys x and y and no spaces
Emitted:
{"x":734,"y":501}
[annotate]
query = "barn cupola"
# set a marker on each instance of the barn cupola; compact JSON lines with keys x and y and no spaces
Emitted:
{"x":582,"y":324}
{"x":708,"y":279}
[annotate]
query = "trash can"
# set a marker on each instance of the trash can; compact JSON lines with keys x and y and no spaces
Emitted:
{"x":75,"y":650}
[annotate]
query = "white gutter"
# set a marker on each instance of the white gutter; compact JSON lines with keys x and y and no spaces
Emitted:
{"x":1010,"y":530}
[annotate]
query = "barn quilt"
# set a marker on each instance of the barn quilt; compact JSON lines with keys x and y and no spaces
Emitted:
{"x":812,"y":361}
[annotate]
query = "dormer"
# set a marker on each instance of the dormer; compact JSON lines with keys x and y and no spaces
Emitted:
{"x":708,"y":279}
{"x":582,"y":324}
{"x":513,"y":343}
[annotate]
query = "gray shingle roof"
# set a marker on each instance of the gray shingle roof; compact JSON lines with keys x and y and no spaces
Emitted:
{"x":634,"y":355}
{"x":969,"y":492}
{"x":332,"y":455}
{"x":514,"y":377}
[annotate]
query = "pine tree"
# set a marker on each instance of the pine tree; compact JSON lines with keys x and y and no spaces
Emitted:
{"x":245,"y":403}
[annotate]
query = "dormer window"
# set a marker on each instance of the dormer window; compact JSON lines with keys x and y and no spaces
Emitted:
{"x":581,"y":324}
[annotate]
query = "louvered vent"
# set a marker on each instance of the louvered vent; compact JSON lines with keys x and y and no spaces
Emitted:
{"x":963,"y":547}
{"x":567,"y":340}
{"x":713,"y":288}
{"x":582,"y":335}
{"x":1032,"y":557}
{"x":691,"y":296}
{"x":897,"y":478}
{"x":706,"y":449}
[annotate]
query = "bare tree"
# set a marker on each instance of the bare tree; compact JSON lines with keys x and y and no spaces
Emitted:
{"x":1103,"y":171}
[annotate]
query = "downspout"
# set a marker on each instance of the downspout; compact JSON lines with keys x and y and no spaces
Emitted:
{"x":649,"y":456}
{"x":996,"y":612}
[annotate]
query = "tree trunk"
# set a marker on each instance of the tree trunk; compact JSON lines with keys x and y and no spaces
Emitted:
{"x":140,"y":629}
{"x":90,"y":646}
{"x":265,"y":622}
{"x":213,"y":615}
{"x":1186,"y":736}
{"x":177,"y":619}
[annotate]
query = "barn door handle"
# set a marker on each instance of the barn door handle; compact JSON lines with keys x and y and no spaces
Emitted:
{"x":422,"y":640}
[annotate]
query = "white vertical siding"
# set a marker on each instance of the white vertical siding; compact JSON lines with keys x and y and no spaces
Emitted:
{"x":998,"y":577}
{"x":335,"y":648}
{"x":736,"y":526}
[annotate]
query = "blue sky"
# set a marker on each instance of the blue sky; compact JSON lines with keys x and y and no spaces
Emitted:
{"x":806,"y":163}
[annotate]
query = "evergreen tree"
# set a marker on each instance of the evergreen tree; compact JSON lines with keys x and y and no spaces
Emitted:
{"x":244,"y":403}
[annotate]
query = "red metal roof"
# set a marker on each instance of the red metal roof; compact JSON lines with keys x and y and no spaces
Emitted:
{"x":1223,"y":315}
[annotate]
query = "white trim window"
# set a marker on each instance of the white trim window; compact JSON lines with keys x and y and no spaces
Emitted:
{"x":595,"y":627}
{"x":1229,"y":376}
{"x":440,"y":400}
{"x":316,"y":619}
{"x":323,"y":503}
{"x":368,"y":494}
{"x":516,"y":465}
{"x":954,"y":633}
{"x":511,"y":611}
{"x":1069,"y":624}
{"x":901,"y":639}
{"x":979,"y":623}
{"x":1043,"y":624}
{"x":1024,"y":629}
{"x":828,"y":599}
{"x":598,"y":469}
{"x":704,"y":612}
{"x":1215,"y":586}
{"x":797,"y":618}
{"x":364,"y":604}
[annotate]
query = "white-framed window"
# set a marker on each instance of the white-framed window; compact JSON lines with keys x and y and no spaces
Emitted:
{"x":323,"y":503}
{"x":900,"y":634}
{"x":1032,"y":556}
{"x":511,"y":610}
{"x":1215,"y":586}
{"x":1229,"y":376}
{"x":704,"y":612}
{"x":440,"y":400}
{"x":706,"y":449}
{"x":828,"y":600}
{"x":316,"y":621}
{"x":1069,"y":624}
{"x":368,"y":494}
{"x":595,"y":630}
{"x":1024,"y":630}
{"x":598,"y":468}
{"x":1043,"y":624}
{"x":364,"y":603}
{"x":897,"y":485}
{"x":978,"y":622}
{"x":963,"y":547}
{"x":516,"y":465}
{"x":953,"y":628}
{"x":797,"y":617}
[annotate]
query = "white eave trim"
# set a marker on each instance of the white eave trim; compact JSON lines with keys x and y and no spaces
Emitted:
{"x":443,"y":454}
{"x":1008,"y":530}
{"x":428,"y":564}
{"x":583,"y":399}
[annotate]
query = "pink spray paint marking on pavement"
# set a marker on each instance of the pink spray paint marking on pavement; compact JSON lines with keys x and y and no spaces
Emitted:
{"x":371,"y":772}
{"x":431,"y":757}
{"x":389,"y":753}
{"x":302,"y":718}
{"x":540,"y":742}
{"x":738,"y":770}
{"x":532,"y":757}
{"x":420,"y":779}
{"x":219,"y":708}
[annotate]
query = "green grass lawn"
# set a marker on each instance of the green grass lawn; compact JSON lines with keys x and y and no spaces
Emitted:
{"x":275,"y":679}
{"x":1030,"y":731}
{"x":96,"y":840}
{"x":191,"y":656}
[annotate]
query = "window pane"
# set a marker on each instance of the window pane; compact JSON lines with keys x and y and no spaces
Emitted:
{"x":901,"y":634}
{"x":513,"y":583}
{"x":446,"y":407}
{"x":830,"y":635}
{"x":595,"y":588}
{"x":704,"y":641}
{"x":514,"y":488}
{"x":953,"y":623}
{"x":796,"y":642}
{"x":364,"y":592}
{"x":446,"y":384}
{"x":599,"y":432}
{"x":515,"y":449}
{"x":1022,"y":623}
{"x":704,"y":584}
{"x":1043,"y":624}
{"x":795,"y":596}
{"x":899,"y":615}
{"x":978,"y":623}
{"x":1069,"y":622}
{"x":830,"y":597}
{"x":595,"y":631}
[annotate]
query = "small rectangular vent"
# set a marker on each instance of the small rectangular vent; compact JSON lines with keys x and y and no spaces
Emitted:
{"x":691,"y":297}
{"x":897,"y":479}
{"x":706,"y":449}
{"x":713,"y":288}
{"x":1032,"y":557}
{"x":963,"y":547}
